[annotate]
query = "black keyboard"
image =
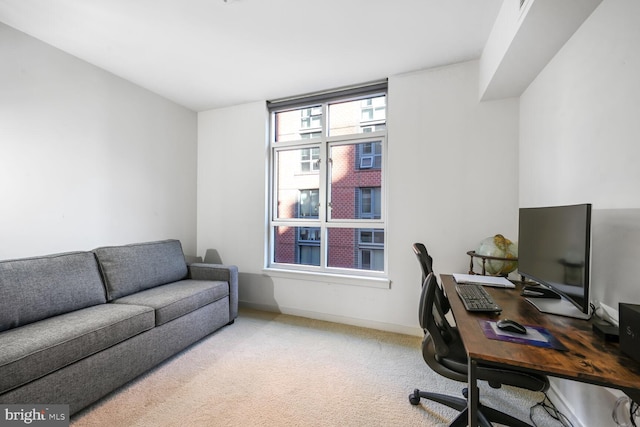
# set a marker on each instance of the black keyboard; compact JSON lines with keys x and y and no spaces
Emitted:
{"x":476,"y":298}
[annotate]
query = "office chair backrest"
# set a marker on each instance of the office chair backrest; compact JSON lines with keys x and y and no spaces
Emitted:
{"x":432,"y":316}
{"x":425,"y":260}
{"x":426,"y":264}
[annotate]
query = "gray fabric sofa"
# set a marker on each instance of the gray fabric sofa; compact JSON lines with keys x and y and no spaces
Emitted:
{"x":76,"y":326}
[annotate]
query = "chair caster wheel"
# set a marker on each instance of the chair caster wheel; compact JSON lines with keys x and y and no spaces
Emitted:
{"x":414,"y":398}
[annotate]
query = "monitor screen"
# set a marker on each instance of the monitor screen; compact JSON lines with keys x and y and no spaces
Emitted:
{"x":554,"y":248}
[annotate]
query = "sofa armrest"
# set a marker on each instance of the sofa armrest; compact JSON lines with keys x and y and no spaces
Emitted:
{"x":225,"y":273}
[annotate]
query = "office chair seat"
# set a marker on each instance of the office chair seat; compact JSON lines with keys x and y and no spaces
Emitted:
{"x":443,"y":351}
{"x":453,"y":367}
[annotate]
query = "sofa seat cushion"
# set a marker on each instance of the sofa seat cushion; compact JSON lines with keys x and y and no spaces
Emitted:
{"x":133,"y":268}
{"x":37,"y":349}
{"x":179,"y":298}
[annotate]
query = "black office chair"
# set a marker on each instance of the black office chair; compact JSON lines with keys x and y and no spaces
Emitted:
{"x":444,"y":352}
{"x":425,"y":260}
{"x":426,"y":264}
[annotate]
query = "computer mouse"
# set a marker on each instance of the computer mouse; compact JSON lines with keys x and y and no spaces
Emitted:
{"x":511,"y":326}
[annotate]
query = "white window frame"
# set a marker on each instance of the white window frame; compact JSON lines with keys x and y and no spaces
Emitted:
{"x":324,"y":221}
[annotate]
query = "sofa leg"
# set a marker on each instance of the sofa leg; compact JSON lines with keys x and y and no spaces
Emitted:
{"x":232,"y":322}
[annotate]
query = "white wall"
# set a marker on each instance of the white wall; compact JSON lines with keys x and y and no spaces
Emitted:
{"x":579,"y":142}
{"x":579,"y":139}
{"x":86,"y":158}
{"x":452,"y":181}
{"x":231,"y":184}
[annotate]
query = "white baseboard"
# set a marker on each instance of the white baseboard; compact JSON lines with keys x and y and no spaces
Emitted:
{"x":363,"y":323}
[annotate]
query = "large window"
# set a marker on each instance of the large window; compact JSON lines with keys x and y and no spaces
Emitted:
{"x":327,"y":210}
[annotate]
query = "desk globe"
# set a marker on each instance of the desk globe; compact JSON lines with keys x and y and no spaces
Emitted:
{"x":496,"y":255}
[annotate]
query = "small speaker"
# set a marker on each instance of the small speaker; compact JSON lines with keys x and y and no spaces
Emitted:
{"x":630,"y":330}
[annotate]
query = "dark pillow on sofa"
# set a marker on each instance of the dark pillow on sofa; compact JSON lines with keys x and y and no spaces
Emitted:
{"x":132,"y":268}
{"x":33,"y":289}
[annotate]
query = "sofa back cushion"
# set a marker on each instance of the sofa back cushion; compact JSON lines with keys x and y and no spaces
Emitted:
{"x":33,"y":289}
{"x":133,"y":268}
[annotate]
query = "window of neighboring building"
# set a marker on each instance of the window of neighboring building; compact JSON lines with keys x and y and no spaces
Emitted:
{"x":327,"y":183}
{"x":308,"y":203}
{"x":369,"y":202}
{"x":373,"y":109}
{"x":369,"y":155}
{"x":310,"y":159}
{"x":371,"y":249}
{"x":308,"y":245}
{"x":310,"y":118}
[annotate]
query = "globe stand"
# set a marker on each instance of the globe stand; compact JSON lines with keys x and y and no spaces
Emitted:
{"x":473,"y":254}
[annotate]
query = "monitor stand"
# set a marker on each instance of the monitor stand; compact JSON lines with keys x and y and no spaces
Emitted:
{"x":561,"y":307}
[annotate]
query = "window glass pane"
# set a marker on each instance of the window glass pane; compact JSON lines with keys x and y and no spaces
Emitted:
{"x":353,"y":117}
{"x":293,"y":179}
{"x":297,"y":245}
{"x":355,"y":191}
{"x":297,"y":124}
{"x":356,"y":248}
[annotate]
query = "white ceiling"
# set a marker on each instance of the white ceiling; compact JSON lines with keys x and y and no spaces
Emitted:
{"x":207,"y":54}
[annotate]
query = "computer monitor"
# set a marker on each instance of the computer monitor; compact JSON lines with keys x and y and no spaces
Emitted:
{"x":554,"y":250}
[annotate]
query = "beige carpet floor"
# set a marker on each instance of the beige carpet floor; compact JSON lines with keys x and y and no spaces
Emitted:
{"x":270,"y":369}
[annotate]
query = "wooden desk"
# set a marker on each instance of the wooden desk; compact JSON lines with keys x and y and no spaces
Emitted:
{"x":590,"y":358}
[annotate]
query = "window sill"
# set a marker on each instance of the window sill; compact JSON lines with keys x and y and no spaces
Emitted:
{"x":339,"y":279}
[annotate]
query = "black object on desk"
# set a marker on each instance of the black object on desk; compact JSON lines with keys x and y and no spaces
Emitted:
{"x":606,"y":330}
{"x":511,"y":326}
{"x":476,"y":298}
{"x":539,"y":292}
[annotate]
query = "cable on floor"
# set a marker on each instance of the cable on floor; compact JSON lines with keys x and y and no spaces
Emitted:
{"x":550,"y":409}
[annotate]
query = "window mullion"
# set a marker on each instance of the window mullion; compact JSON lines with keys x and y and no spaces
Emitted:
{"x":324,"y":195}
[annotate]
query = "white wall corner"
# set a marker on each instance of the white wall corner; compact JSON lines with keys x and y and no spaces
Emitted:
{"x":524,"y":40}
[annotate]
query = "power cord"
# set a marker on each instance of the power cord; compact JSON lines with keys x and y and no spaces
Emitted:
{"x":594,"y":310}
{"x":618,"y":412}
{"x":551,"y":410}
